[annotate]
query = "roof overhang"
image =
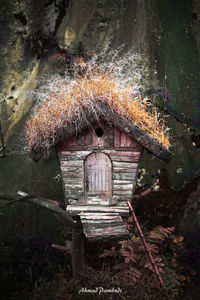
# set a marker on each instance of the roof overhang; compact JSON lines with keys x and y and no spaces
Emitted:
{"x":102,"y":111}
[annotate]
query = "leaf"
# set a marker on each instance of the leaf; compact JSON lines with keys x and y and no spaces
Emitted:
{"x":138,"y":274}
{"x":120,"y":266}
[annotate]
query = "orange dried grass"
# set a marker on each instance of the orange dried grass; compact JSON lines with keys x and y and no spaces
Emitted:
{"x":64,"y":107}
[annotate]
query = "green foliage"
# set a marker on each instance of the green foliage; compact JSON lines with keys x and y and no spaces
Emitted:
{"x":172,"y":281}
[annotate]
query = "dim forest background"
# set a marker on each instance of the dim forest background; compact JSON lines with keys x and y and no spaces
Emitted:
{"x":167,"y":34}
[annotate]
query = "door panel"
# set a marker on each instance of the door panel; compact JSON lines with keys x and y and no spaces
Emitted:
{"x":98,"y":175}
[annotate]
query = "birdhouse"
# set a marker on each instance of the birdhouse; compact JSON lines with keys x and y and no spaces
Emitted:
{"x":99,"y":154}
{"x":99,"y":163}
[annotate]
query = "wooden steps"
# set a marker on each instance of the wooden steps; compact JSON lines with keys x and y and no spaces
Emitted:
{"x":75,"y":210}
{"x":104,"y":227}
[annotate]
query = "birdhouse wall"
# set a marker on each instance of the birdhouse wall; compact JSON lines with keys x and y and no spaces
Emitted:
{"x":123,"y":153}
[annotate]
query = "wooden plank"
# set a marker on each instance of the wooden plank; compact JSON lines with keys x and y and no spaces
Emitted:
{"x":70,"y":186}
{"x":106,"y":235}
{"x":99,"y":219}
{"x":72,"y":173}
{"x":124,"y":159}
{"x":68,"y":174}
{"x":96,"y":225}
{"x":123,"y":176}
{"x":77,"y":154}
{"x":109,"y":238}
{"x":73,"y":186}
{"x":68,"y":142}
{"x":101,"y":216}
{"x":124,"y":170}
{"x":91,"y":147}
{"x":84,"y":138}
{"x":122,"y":182}
{"x":122,"y":203}
{"x":76,"y":210}
{"x":78,"y":148}
{"x":122,"y":197}
{"x":122,"y":140}
{"x":74,"y":192}
{"x":117,"y":137}
{"x":97,"y":201}
{"x":72,"y":158}
{"x":71,"y":169}
{"x":75,"y":163}
{"x":97,"y":228}
{"x":96,"y":208}
{"x":96,"y":214}
{"x":125,"y":165}
{"x":104,"y":230}
{"x":74,"y":196}
{"x":125,"y":187}
{"x":109,"y":136}
{"x":118,"y":193}
{"x":70,"y":180}
{"x":96,"y":218}
{"x":122,"y":152}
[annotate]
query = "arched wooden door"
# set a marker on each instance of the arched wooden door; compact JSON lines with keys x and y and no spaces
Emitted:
{"x":98,"y":178}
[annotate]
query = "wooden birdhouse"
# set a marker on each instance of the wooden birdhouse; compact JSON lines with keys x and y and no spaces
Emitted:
{"x":99,"y":157}
{"x":99,"y":168}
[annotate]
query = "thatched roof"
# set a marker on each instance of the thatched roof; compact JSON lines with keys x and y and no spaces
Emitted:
{"x":102,"y":111}
{"x":69,"y":104}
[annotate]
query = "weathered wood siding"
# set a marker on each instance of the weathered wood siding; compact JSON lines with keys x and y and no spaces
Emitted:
{"x":123,"y":140}
{"x":80,"y":179}
{"x":72,"y":170}
{"x":88,"y":138}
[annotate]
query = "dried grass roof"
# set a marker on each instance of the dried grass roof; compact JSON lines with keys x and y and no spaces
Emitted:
{"x":65,"y":103}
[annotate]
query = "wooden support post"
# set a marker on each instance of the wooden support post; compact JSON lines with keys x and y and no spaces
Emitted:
{"x":78,"y":263}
